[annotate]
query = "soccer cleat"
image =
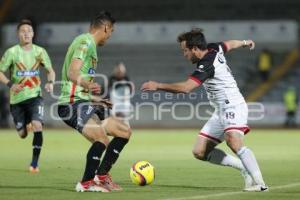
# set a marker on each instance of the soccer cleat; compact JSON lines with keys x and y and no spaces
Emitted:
{"x":90,"y":186}
{"x":34,"y":170}
{"x":247,"y":178}
{"x":257,"y":188}
{"x":107,"y":182}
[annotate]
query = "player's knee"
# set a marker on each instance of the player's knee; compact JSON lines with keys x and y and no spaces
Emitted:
{"x":22,"y":133}
{"x":234,"y":141}
{"x":199,"y":154}
{"x":100,"y":137}
{"x":127,"y":133}
{"x":103,"y":140}
{"x":123,"y":132}
{"x":36,"y":126}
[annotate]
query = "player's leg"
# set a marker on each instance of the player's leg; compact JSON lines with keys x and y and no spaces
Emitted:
{"x":37,"y":144}
{"x":204,"y":149}
{"x":18,"y":114}
{"x":211,"y":135}
{"x":96,"y":134}
{"x":34,"y":112}
{"x":81,"y":116}
{"x":234,"y":138}
{"x":121,"y":132}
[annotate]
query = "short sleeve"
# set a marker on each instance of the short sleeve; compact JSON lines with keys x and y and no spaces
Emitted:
{"x":6,"y":61}
{"x":216,"y":46}
{"x":81,"y":51}
{"x":203,"y":71}
{"x":46,"y":60}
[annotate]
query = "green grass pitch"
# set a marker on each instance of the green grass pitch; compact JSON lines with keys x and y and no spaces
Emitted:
{"x":178,"y":175}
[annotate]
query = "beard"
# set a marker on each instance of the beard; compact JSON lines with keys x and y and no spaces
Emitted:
{"x":194,"y":59}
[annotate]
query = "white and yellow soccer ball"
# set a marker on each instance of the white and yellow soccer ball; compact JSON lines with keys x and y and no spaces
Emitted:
{"x":142,"y":173}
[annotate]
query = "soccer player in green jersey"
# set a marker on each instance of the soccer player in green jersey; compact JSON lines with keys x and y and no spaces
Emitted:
{"x":23,"y":61}
{"x":80,"y":109}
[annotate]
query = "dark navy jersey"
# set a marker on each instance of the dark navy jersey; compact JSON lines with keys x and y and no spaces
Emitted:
{"x":213,"y":72}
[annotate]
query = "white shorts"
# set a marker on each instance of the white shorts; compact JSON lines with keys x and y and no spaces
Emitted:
{"x":231,"y":118}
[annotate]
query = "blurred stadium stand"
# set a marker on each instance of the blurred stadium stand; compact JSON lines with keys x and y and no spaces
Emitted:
{"x":155,"y":10}
{"x":164,"y":62}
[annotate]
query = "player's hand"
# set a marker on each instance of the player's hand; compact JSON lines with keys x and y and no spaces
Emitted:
{"x":16,"y":88}
{"x":49,"y":87}
{"x":107,"y":102}
{"x":150,"y":86}
{"x":250,"y":44}
{"x":100,"y":100}
{"x":95,"y":88}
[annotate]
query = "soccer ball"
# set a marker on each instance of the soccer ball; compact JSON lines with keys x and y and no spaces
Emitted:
{"x":142,"y":173}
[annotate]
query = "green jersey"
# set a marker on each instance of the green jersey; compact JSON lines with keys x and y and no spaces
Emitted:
{"x":84,"y":48}
{"x":24,"y":69}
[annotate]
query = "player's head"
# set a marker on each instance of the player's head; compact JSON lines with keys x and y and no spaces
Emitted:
{"x":25,"y":32}
{"x":102,"y":26}
{"x":193,"y":44}
{"x":120,"y":71}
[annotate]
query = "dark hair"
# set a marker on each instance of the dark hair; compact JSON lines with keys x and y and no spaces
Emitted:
{"x":193,"y":38}
{"x":24,"y":21}
{"x":101,"y":18}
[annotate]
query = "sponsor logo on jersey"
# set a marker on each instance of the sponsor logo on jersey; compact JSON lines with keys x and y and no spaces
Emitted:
{"x":91,"y":71}
{"x":89,"y":110}
{"x":29,"y":73}
{"x":200,"y":70}
{"x":221,"y":59}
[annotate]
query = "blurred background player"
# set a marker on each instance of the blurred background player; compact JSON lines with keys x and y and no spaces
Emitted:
{"x":229,"y":121}
{"x":80,"y":106}
{"x":26,"y":104}
{"x":4,"y":108}
{"x":290,"y":98}
{"x":264,"y":64}
{"x":120,"y":90}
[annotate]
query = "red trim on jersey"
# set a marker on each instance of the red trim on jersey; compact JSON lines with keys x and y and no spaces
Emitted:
{"x":210,"y":137}
{"x":196,"y":80}
{"x":72,"y":95}
{"x":35,"y":80}
{"x":211,"y":49}
{"x":28,"y":83}
{"x":226,"y":47}
{"x":245,"y":129}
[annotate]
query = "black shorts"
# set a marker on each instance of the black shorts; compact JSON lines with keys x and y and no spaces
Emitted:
{"x":77,"y":114}
{"x":26,"y":111}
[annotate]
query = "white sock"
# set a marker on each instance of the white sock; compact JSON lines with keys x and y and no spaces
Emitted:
{"x":249,"y":161}
{"x":219,"y":157}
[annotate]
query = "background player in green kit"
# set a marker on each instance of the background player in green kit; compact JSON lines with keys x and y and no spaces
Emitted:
{"x":23,"y":61}
{"x":78,"y":109}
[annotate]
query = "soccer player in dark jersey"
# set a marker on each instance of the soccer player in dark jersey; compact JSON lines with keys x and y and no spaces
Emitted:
{"x":24,"y":61}
{"x":79,"y":106}
{"x":229,"y":121}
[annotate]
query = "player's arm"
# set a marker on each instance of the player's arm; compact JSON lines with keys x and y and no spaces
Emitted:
{"x":75,"y":77}
{"x":49,"y":70}
{"x":234,"y":44}
{"x":14,"y":87}
{"x":50,"y":79}
{"x":180,"y":87}
{"x":5,"y":63}
{"x":97,"y":99}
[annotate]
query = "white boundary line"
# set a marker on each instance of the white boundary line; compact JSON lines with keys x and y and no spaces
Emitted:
{"x":231,"y":193}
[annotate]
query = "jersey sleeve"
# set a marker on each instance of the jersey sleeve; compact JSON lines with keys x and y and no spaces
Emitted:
{"x":215,"y":46}
{"x":81,"y":51}
{"x":46,"y":59}
{"x":6,"y":61}
{"x":204,"y":71}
